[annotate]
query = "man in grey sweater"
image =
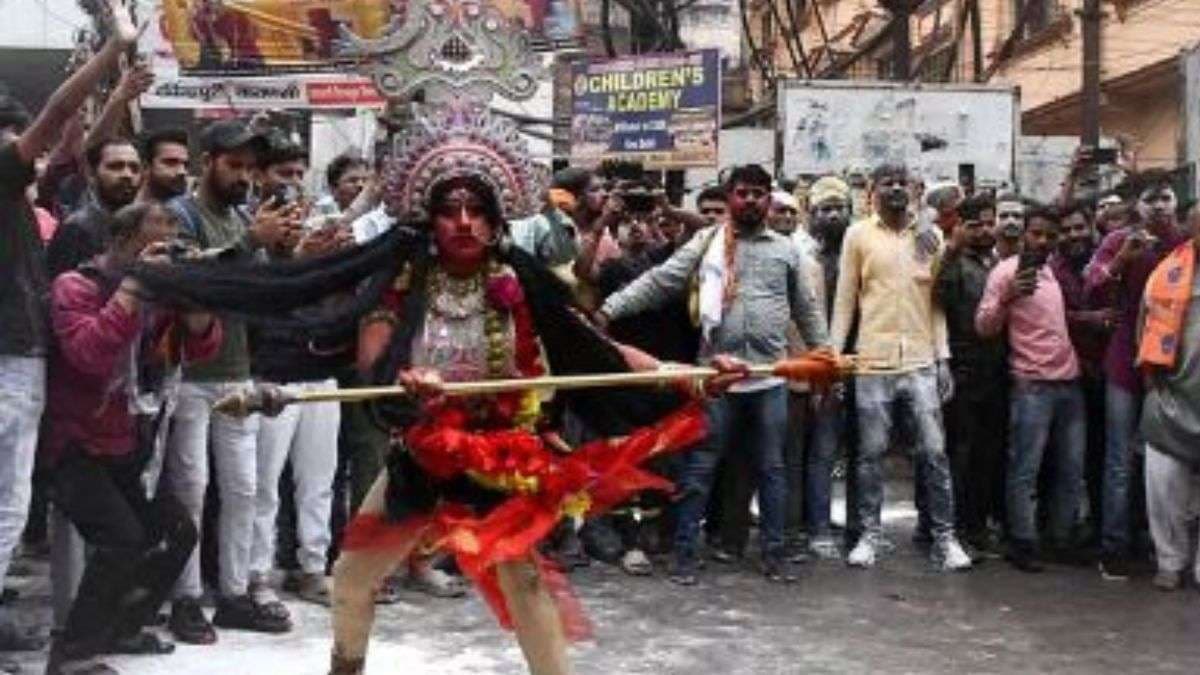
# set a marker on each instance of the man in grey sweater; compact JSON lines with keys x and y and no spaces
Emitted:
{"x":753,"y":283}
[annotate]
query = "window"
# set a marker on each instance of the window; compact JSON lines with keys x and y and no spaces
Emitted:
{"x":1041,"y":14}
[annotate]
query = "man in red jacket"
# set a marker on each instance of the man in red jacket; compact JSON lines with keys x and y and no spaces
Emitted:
{"x":109,"y":339}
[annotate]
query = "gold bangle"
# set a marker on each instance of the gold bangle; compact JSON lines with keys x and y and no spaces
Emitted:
{"x":381,"y":316}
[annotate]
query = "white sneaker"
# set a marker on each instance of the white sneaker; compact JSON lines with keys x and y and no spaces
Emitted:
{"x":953,"y":557}
{"x":863,"y":554}
{"x":825,"y":548}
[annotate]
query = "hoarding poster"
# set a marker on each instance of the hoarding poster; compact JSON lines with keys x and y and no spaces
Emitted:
{"x":214,"y":53}
{"x":663,"y":110}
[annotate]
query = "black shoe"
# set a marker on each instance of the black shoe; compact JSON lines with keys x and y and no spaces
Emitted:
{"x":188,"y":623}
{"x":1070,"y":556}
{"x":243,"y":613}
{"x":1114,"y":568}
{"x":140,"y":643}
{"x":1024,"y":560}
{"x":779,"y":570}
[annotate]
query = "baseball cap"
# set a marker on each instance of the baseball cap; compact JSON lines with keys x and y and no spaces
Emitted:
{"x":228,"y":135}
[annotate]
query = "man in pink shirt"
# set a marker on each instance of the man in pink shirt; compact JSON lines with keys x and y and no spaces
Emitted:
{"x":1048,"y":408}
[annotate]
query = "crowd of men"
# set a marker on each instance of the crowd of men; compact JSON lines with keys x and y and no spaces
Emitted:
{"x":998,"y":341}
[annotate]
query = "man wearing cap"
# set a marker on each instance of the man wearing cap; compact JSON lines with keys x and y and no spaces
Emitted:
{"x":213,"y":218}
{"x":829,"y":215}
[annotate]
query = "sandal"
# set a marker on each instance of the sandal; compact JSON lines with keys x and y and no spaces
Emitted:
{"x":141,"y":643}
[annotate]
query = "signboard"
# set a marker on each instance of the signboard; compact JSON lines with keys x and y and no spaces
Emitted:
{"x":260,"y":37}
{"x":662,"y":110}
{"x":939,"y":132}
{"x":281,"y":53}
{"x":316,"y":92}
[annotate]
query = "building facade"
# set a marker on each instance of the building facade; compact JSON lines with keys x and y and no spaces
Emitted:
{"x":1147,"y":49}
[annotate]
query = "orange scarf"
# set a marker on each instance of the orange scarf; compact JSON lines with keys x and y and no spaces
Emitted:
{"x":1168,"y":293}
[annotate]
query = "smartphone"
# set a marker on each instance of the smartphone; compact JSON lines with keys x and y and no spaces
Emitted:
{"x":1030,"y":260}
{"x":283,"y":194}
{"x":1103,"y":156}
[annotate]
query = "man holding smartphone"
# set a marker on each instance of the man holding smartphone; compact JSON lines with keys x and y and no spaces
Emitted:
{"x":1047,"y":402}
{"x":1120,"y":270}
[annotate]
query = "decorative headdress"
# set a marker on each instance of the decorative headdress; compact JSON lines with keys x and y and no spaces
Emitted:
{"x":458,"y":54}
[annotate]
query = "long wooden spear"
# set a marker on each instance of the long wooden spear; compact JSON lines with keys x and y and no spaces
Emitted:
{"x":815,"y":367}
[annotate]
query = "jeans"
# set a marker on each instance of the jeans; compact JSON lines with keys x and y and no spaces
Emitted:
{"x":830,"y":425}
{"x":233,"y":442}
{"x":975,"y":431}
{"x":22,"y":397}
{"x":138,"y":546}
{"x":880,"y":399}
{"x":307,"y":436}
{"x":794,"y":460}
{"x":1045,"y":413}
{"x":752,"y":423}
{"x":1123,"y":409}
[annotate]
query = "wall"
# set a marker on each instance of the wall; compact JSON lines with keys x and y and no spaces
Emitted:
{"x":1152,"y":30}
{"x":43,"y":24}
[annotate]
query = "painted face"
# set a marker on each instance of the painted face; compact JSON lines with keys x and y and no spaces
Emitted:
{"x":1010,"y":220}
{"x":829,"y":220}
{"x":892,"y":193}
{"x":461,"y":229}
{"x":748,"y":204}
{"x":228,"y":175}
{"x":783,"y":219}
{"x":714,"y":211}
{"x":1041,"y":237}
{"x":1078,"y":237}
{"x":168,"y":171}
{"x":977,"y":233}
{"x":1156,"y":207}
{"x":118,"y":175}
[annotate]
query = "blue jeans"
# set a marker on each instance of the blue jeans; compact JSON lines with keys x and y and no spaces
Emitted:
{"x":880,"y":399}
{"x":830,"y":421}
{"x":1122,"y":410}
{"x":1045,"y":413}
{"x":752,"y":422}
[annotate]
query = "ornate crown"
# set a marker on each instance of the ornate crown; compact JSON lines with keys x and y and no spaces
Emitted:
{"x":458,"y":54}
{"x":462,"y":140}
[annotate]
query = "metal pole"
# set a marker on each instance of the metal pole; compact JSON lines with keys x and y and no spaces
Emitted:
{"x":1091,"y":16}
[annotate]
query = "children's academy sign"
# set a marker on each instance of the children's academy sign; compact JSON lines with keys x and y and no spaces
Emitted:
{"x":663,"y":110}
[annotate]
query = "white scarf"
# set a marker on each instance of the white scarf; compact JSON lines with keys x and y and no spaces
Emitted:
{"x":712,"y":284}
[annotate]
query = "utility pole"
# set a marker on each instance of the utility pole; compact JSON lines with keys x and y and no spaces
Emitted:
{"x":901,"y":40}
{"x":1090,"y":94}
